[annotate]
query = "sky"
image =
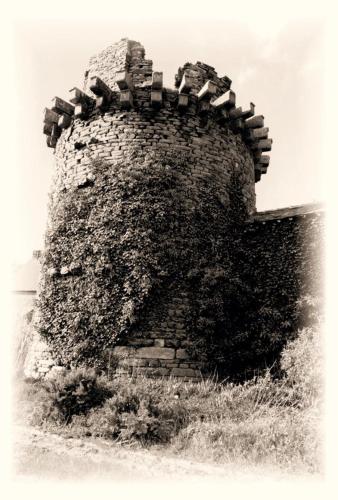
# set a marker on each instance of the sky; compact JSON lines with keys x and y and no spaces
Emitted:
{"x":275,"y":61}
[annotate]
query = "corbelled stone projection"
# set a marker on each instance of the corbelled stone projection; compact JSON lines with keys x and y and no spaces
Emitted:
{"x":153,"y":189}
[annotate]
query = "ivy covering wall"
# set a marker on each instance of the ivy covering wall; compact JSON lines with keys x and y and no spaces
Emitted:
{"x":116,"y":245}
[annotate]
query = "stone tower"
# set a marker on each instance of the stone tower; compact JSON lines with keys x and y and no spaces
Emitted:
{"x":124,"y":116}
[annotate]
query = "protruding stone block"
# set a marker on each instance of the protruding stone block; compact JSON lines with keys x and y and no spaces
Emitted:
{"x":56,"y":131}
{"x":99,"y":88}
{"x":64,"y":121}
{"x":248,"y":113}
{"x":208,"y":90}
{"x":80,"y":110}
{"x":226,"y":101}
{"x":264,"y":160}
{"x":254,"y":134}
{"x":51,"y":142}
{"x":123,"y":80}
{"x":156,"y":98}
{"x":257,"y":133}
{"x":77,"y":96}
{"x":62,"y":107}
{"x":183,"y":101}
{"x":255,"y":122}
{"x":185,"y":85}
{"x":155,"y":353}
{"x":257,"y":175}
{"x":101,"y":101}
{"x":260,"y":133}
{"x":126,"y":99}
{"x":50,"y":116}
{"x":235,"y":113}
{"x":47,"y":128}
{"x":157,"y":80}
{"x":263,"y":145}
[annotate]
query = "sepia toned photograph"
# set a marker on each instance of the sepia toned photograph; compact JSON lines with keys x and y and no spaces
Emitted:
{"x":167,"y":274}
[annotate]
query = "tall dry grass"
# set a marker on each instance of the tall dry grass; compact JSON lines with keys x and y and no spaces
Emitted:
{"x":262,"y":421}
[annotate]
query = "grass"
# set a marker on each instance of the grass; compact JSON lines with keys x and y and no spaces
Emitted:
{"x":261,"y":422}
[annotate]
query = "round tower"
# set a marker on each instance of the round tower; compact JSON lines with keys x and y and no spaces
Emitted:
{"x":151,"y":185}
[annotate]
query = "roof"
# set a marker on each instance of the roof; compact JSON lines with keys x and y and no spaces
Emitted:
{"x":287,"y":212}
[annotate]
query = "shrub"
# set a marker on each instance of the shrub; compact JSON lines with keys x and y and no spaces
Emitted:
{"x":138,"y":412}
{"x":302,"y":361}
{"x":132,"y":410}
{"x":73,"y":393}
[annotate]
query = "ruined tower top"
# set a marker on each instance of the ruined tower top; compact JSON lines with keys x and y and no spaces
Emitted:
{"x":121,"y":78}
{"x":126,"y":55}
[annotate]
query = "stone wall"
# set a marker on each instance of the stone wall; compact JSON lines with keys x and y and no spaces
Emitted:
{"x":160,"y":347}
{"x":212,"y":152}
{"x":200,"y":73}
{"x":283,"y":264}
{"x":125,"y":55}
{"x":32,"y":355}
{"x":285,"y":252}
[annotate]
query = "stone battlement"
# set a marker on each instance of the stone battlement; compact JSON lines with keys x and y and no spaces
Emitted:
{"x":121,"y":80}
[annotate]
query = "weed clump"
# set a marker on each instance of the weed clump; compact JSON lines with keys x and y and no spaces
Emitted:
{"x":135,"y":415}
{"x":74,"y":393}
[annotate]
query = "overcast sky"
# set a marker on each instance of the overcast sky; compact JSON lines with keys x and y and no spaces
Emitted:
{"x":275,"y":62}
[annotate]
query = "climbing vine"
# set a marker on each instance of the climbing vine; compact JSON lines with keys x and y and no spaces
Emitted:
{"x":122,"y":239}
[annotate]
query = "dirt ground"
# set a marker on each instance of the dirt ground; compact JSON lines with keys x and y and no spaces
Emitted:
{"x":56,"y":457}
{"x":46,"y":456}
